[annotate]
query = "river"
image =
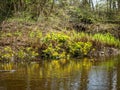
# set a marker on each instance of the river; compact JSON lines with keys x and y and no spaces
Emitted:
{"x":82,"y":74}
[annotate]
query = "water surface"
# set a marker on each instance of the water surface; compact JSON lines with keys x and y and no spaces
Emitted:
{"x":84,"y":74}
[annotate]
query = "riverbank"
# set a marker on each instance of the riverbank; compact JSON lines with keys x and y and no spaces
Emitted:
{"x":32,"y":43}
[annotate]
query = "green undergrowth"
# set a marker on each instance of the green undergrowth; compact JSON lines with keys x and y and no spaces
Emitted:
{"x":53,"y":45}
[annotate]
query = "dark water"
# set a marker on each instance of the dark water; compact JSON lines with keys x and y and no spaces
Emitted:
{"x":85,"y":74}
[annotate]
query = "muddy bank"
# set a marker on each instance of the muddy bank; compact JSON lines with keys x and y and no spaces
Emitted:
{"x":104,"y":52}
{"x":30,"y":41}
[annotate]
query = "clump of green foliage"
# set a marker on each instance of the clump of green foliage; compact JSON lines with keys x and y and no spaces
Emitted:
{"x":107,"y":39}
{"x":97,"y":39}
{"x":80,"y":48}
{"x":55,"y":45}
{"x":7,"y":53}
{"x":27,"y":53}
{"x":59,"y":45}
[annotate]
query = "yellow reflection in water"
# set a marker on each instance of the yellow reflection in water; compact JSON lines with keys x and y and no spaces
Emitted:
{"x":7,"y":66}
{"x":58,"y":68}
{"x":54,"y":68}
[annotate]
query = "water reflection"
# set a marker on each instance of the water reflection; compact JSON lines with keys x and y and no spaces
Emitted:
{"x":61,"y":75}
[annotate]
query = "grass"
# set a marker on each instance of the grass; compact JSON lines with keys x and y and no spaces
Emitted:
{"x":107,"y":39}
